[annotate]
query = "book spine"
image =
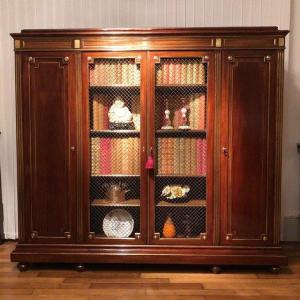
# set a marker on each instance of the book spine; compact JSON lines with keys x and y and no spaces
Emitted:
{"x":176,"y":156}
{"x":171,"y":156}
{"x":159,"y":75}
{"x":105,"y":161}
{"x":104,"y":113}
{"x":159,"y":157}
{"x":114,"y":169}
{"x":137,"y":156}
{"x":188,"y":164}
{"x":199,"y":156}
{"x":119,"y":155}
{"x":204,"y":157}
{"x":171,"y":79}
{"x":96,"y":113}
{"x":92,"y":73}
{"x":201,"y":74}
{"x":195,"y":73}
{"x":202,"y":112}
{"x":196,"y":111}
{"x":165,"y":71}
{"x":181,"y":156}
{"x":137,"y":75}
{"x":189,"y":73}
{"x":94,"y":156}
{"x":193,"y":150}
{"x":177,"y":73}
{"x":183,"y":73}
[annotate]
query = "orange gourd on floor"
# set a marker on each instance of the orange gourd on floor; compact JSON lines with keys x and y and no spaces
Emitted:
{"x":169,"y":230}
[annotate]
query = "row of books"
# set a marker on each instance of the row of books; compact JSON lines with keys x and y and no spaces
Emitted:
{"x":192,"y":72}
{"x":182,"y":156}
{"x":108,"y":73}
{"x":196,"y":114}
{"x":115,"y":156}
{"x":101,"y":105}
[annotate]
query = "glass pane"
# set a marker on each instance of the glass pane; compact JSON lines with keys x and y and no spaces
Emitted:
{"x":180,"y":181}
{"x":115,"y":147}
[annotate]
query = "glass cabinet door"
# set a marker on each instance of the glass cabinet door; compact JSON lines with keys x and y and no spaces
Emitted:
{"x":116,"y":115}
{"x":181,"y":138}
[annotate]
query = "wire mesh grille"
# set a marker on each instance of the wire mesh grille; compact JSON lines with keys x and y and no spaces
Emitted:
{"x":180,"y":112}
{"x":114,"y":95}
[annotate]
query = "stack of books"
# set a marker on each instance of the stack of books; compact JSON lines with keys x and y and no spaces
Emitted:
{"x":182,"y":156}
{"x":189,"y":71}
{"x":111,"y":156}
{"x":109,"y":72}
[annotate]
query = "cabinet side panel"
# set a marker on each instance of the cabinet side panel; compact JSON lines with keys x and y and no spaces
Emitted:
{"x":50,"y":141}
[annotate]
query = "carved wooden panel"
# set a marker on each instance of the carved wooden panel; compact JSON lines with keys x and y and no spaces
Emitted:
{"x":50,"y":139}
{"x":247,"y":154}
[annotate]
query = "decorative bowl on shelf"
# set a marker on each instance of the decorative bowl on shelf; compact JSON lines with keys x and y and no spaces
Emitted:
{"x":175,"y":191}
{"x":118,"y":223}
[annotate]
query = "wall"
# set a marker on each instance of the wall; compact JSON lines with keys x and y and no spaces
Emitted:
{"x":18,"y":14}
{"x":291,"y":132}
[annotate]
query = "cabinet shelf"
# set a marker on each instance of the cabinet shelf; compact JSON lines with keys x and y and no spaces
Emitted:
{"x":113,"y":133}
{"x":181,"y":86}
{"x":191,"y":203}
{"x":106,"y":203}
{"x":181,"y":133}
{"x":179,"y":176}
{"x":116,"y":175}
{"x":114,"y":86}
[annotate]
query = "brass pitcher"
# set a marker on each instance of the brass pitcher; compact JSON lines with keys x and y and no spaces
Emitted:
{"x":115,"y":192}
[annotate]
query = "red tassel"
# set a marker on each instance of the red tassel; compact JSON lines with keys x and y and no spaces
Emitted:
{"x":150,"y":161}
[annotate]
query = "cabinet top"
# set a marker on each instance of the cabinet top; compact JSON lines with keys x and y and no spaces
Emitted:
{"x":203,"y":31}
{"x":118,"y":39}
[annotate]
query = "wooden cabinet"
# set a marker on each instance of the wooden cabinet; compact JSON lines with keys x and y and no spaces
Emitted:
{"x":149,"y":145}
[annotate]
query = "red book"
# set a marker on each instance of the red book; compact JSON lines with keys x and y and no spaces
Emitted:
{"x":105,"y":154}
{"x":204,"y":157}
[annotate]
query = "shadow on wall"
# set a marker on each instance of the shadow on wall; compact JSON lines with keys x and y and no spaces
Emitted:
{"x":1,"y":216}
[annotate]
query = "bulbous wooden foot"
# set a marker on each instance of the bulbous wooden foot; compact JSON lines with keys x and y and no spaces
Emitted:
{"x":275,"y":269}
{"x":23,"y":266}
{"x":80,"y":268}
{"x":216,"y":269}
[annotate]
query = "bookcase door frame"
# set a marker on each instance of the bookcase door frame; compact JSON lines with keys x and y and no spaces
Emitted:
{"x":88,"y":236}
{"x":209,"y":57}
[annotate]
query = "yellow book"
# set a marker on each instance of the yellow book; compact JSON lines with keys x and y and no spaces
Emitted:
{"x":95,"y":113}
{"x":124,"y":73}
{"x":95,"y":156}
{"x":202,"y":111}
{"x":171,"y":79}
{"x":193,"y":150}
{"x":159,"y":76}
{"x":201,"y":74}
{"x":165,"y":73}
{"x":177,"y":73}
{"x":183,"y":73}
{"x":189,"y":73}
{"x":195,"y":73}
{"x":191,"y":112}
